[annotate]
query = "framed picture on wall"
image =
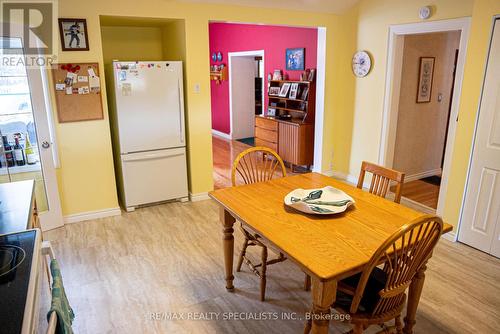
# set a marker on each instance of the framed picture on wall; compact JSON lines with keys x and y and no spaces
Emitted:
{"x":295,"y":59}
{"x":74,"y":36}
{"x":425,"y":77}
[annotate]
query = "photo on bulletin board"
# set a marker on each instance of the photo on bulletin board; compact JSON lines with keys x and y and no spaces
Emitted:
{"x":295,"y":59}
{"x":74,"y":36}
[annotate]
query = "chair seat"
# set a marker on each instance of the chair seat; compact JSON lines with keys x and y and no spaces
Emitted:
{"x":376,"y":282}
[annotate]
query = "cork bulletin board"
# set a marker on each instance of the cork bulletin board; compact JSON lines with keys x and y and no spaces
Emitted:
{"x":77,"y":91}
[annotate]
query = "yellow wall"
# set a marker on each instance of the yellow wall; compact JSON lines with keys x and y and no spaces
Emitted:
{"x":131,"y":43}
{"x":374,"y":18}
{"x":353,"y":107}
{"x":86,"y":177}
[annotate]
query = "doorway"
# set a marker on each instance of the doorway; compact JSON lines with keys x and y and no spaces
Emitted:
{"x":229,"y":41}
{"x":418,"y":127}
{"x":245,"y":74}
{"x":423,"y":112}
{"x":27,"y":146}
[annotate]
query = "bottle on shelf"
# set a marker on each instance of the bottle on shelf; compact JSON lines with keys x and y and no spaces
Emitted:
{"x":9,"y":155}
{"x":30,"y":152}
{"x":18,"y":151}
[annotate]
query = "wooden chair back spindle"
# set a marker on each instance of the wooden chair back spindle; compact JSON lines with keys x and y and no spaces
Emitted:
{"x":403,"y":254}
{"x":381,"y":180}
{"x":257,"y":164}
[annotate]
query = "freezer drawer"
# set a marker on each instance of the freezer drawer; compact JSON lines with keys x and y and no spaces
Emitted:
{"x":154,"y":176}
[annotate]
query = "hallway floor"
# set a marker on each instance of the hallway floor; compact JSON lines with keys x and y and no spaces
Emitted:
{"x":422,"y":192}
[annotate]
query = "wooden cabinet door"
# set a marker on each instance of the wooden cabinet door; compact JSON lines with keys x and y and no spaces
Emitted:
{"x":287,"y":145}
{"x":296,"y":143}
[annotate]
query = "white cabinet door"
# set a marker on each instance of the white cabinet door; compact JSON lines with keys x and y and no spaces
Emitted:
{"x":155,"y":176}
{"x":480,"y":225}
{"x":149,"y":106}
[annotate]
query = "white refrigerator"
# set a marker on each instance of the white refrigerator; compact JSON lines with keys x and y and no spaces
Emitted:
{"x":147,"y":120}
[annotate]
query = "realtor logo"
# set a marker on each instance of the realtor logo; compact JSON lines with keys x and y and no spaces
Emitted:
{"x":32,"y":21}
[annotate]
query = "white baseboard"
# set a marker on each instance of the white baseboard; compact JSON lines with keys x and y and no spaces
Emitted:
{"x":338,"y":175}
{"x":198,"y":197}
{"x":89,"y":215}
{"x":343,"y":176}
{"x":221,"y":134}
{"x":328,"y":173}
{"x":422,"y":175}
{"x":450,"y":236}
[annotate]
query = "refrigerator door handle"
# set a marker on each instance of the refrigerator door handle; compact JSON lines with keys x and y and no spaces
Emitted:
{"x":181,"y":128}
{"x":150,"y":156}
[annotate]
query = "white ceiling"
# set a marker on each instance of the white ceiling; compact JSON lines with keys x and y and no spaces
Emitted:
{"x":328,"y":6}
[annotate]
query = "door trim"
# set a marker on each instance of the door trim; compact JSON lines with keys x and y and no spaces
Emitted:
{"x":53,"y":217}
{"x":389,"y":118}
{"x":39,"y":92}
{"x":230,"y":56}
{"x":476,"y":124}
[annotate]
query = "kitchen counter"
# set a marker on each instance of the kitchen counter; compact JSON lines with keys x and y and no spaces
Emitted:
{"x":16,"y":206}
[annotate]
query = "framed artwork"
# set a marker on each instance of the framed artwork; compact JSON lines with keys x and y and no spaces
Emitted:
{"x":293,"y":90}
{"x":304,"y":94}
{"x":425,"y":77}
{"x":284,"y":89}
{"x":74,"y":36}
{"x":274,"y":90}
{"x":277,"y":75}
{"x":295,"y":59}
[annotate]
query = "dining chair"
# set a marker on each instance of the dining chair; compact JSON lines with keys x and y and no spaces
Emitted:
{"x":377,"y":295}
{"x":258,"y":164}
{"x":381,"y":180}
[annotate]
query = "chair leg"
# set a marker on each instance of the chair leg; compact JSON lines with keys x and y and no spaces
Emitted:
{"x":242,"y":254}
{"x":398,"y":324}
{"x":307,"y":282}
{"x":263,"y":274}
{"x":358,"y":329}
{"x":308,"y":326}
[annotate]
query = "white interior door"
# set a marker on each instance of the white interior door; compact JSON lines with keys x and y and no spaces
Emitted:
{"x":242,"y":96}
{"x":480,"y":225}
{"x":24,"y":124}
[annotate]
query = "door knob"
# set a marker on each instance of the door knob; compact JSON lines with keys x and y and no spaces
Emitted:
{"x":45,"y":144}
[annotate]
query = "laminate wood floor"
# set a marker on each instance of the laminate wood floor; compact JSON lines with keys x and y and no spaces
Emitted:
{"x":130,"y":273}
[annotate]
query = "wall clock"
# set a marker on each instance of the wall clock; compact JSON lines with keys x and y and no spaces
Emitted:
{"x":361,"y":64}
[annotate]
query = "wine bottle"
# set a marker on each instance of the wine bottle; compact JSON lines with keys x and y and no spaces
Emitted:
{"x":9,"y":156}
{"x":18,"y":152}
{"x":28,"y":149}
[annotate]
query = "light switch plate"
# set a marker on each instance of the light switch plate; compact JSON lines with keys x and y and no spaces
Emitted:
{"x":197,"y":88}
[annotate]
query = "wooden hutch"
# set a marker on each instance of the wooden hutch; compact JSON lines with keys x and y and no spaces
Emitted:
{"x":291,"y":131}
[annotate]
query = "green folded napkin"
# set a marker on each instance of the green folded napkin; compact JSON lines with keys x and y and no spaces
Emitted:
{"x":60,"y":303}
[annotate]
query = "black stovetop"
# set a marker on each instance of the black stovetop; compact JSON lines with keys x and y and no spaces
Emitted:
{"x":16,"y":253}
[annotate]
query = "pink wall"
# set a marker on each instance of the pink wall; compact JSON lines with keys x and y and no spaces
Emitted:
{"x":274,"y":40}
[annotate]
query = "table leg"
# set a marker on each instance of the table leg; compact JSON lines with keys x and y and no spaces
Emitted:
{"x":228,"y":242}
{"x":323,"y":295}
{"x":413,"y":298}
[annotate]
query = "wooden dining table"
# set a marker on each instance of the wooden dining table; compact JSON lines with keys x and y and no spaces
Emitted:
{"x":329,"y":248}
